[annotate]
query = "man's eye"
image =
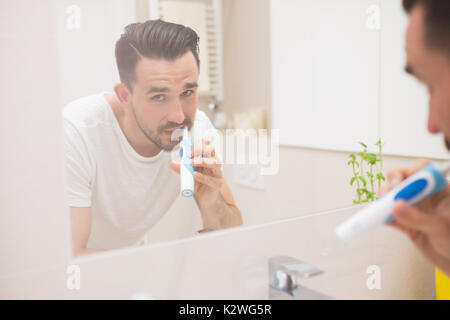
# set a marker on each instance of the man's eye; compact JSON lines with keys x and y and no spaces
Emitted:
{"x":159,"y":97}
{"x":187,"y":93}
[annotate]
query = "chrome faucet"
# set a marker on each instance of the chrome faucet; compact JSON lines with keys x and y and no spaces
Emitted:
{"x":283,"y":274}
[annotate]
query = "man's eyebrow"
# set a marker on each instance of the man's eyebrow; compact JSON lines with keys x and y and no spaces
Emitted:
{"x":157,"y":89}
{"x":191,"y":85}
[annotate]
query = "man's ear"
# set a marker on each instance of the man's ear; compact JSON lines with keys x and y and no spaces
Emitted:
{"x":123,"y":94}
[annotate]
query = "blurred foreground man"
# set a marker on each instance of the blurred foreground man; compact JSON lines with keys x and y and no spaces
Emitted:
{"x":428,"y":59}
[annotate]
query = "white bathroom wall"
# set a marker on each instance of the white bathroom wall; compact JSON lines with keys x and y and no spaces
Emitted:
{"x":247,"y":74}
{"x":34,"y":229}
{"x":338,"y":78}
{"x":87,"y":32}
{"x":325,"y":65}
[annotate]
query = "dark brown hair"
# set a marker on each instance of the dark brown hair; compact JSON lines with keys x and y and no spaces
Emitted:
{"x":436,"y":21}
{"x":153,"y":39}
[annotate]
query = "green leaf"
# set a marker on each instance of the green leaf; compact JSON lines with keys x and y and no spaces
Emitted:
{"x":363,"y":144}
{"x":352,"y":156}
{"x":363,"y":180}
{"x":371,"y":158}
{"x":352,"y":181}
{"x":355,"y":202}
{"x":380,"y":176}
{"x":362,"y":191}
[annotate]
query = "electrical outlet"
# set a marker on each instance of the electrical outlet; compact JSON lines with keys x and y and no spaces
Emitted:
{"x":248,"y":175}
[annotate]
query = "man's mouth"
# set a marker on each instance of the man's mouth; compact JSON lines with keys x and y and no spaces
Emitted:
{"x":173,"y":129}
{"x":174,"y":133}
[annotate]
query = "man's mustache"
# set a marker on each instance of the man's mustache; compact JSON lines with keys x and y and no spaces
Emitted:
{"x":173,"y":125}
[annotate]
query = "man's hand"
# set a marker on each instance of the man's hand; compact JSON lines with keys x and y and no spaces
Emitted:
{"x":211,"y":192}
{"x":208,"y":176}
{"x":427,"y":224}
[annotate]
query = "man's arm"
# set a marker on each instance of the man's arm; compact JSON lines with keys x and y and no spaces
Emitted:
{"x":80,"y":219}
{"x":212,"y":194}
{"x":221,"y":212}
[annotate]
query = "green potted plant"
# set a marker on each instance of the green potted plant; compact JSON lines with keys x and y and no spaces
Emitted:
{"x":366,"y":180}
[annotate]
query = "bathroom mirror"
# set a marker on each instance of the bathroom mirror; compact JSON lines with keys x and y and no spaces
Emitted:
{"x":118,"y":191}
{"x":315,"y":77}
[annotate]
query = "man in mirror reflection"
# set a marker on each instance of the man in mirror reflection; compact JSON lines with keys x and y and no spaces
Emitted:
{"x":428,"y":59}
{"x":119,"y":172}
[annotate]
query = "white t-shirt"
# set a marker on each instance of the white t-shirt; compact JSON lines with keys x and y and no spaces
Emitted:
{"x":127,"y":193}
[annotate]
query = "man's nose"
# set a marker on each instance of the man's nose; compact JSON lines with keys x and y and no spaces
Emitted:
{"x":176,"y":114}
{"x":433,"y":126}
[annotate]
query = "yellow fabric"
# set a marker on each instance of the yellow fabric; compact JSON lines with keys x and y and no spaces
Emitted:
{"x":442,"y":285}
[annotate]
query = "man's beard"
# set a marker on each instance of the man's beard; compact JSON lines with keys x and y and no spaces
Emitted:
{"x":154,"y":137}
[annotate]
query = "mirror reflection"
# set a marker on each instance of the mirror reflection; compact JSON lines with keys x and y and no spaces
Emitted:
{"x":274,"y":96}
{"x":121,"y":146}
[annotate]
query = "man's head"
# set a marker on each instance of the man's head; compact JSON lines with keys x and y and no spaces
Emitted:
{"x":158,"y":66}
{"x":428,"y":57}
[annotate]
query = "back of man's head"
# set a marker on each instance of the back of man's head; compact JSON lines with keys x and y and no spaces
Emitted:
{"x":436,"y":21}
